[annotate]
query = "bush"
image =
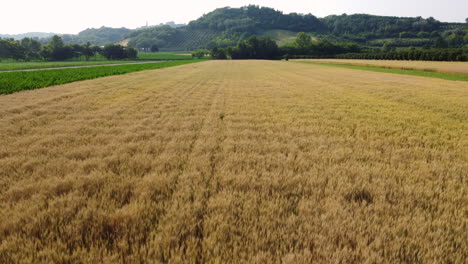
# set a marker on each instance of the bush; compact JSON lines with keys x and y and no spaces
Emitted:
{"x":200,"y":53}
{"x":118,"y":52}
{"x":218,"y":54}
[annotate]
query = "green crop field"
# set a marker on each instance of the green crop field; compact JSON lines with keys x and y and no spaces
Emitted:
{"x":11,"y":82}
{"x":12,"y":66}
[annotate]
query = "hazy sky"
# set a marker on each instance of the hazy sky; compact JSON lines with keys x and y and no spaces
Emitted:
{"x":64,"y":16}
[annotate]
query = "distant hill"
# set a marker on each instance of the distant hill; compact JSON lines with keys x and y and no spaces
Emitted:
{"x":172,"y":24}
{"x":38,"y":35}
{"x":98,"y":36}
{"x":227,"y":26}
{"x":250,"y":19}
{"x":224,"y":27}
{"x":395,"y":31}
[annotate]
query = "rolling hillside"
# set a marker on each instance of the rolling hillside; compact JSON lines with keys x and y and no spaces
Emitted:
{"x":27,"y":35}
{"x":98,"y":36}
{"x":227,"y":26}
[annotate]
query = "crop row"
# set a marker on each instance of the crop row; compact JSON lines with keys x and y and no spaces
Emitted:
{"x":11,"y":82}
{"x":12,"y":66}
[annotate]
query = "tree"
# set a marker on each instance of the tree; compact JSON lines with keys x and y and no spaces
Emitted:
{"x":255,"y":48}
{"x":77,"y":50}
{"x":386,"y":47}
{"x":3,"y":49}
{"x":96,"y":49}
{"x":154,"y":48}
{"x":144,"y":44}
{"x":200,"y":53}
{"x":218,"y":54}
{"x":466,"y":20}
{"x":406,"y":35}
{"x":113,"y":52}
{"x":455,"y":40}
{"x":118,"y":52}
{"x":56,"y":42}
{"x":303,"y":41}
{"x":440,"y":42}
{"x":9,"y":48}
{"x":131,"y":53}
{"x":56,"y":50}
{"x":32,"y":48}
{"x":423,"y":34}
{"x":88,"y":51}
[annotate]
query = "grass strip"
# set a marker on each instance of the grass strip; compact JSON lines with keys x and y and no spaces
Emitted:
{"x":165,"y":55}
{"x":421,"y":73}
{"x":11,"y":82}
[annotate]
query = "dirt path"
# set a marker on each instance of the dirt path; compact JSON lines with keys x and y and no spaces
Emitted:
{"x":236,"y":162}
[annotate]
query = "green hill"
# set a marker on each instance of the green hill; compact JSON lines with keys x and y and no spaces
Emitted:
{"x":169,"y":38}
{"x":27,"y":35}
{"x":98,"y":36}
{"x":227,"y":26}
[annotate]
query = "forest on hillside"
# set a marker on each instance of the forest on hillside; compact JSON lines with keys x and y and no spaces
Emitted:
{"x":228,"y":26}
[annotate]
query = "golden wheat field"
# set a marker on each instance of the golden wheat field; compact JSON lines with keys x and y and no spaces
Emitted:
{"x":236,"y":162}
{"x":438,"y":66}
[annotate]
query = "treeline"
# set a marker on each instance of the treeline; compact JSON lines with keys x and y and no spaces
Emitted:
{"x":98,"y":36}
{"x":252,"y":18}
{"x":369,"y":27}
{"x":29,"y":49}
{"x":305,"y":47}
{"x":412,"y":54}
{"x":450,"y":39}
{"x":265,"y":48}
{"x":261,"y":48}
